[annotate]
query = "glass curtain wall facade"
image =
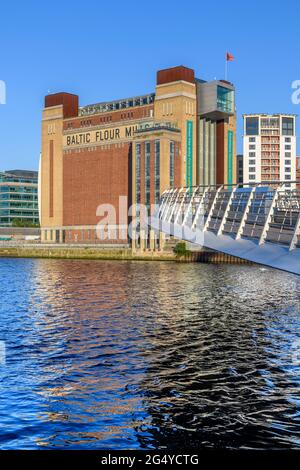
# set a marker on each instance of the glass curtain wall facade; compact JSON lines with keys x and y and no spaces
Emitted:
{"x":18,"y":198}
{"x":225,"y":99}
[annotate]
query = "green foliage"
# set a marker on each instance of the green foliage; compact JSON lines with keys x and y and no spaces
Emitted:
{"x":181,"y":250}
{"x":24,"y":223}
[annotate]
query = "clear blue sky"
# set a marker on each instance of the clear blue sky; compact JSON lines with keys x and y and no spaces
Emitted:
{"x":109,"y":50}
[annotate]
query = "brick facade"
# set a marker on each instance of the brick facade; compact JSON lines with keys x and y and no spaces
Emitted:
{"x":89,"y":155}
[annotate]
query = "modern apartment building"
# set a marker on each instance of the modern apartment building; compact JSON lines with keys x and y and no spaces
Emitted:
{"x":133,"y":148}
{"x":269,"y":147}
{"x":18,"y":197}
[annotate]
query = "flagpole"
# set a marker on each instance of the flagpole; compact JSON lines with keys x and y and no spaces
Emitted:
{"x":226,"y":68}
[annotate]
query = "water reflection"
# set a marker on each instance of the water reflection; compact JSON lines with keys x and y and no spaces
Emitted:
{"x":148,"y":355}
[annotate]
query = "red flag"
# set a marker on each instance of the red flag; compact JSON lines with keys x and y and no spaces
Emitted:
{"x":229,"y":57}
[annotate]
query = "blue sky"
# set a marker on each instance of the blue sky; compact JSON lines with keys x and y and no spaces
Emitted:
{"x":109,"y":50}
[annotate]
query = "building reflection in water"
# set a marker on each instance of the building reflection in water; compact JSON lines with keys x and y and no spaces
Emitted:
{"x":140,"y":355}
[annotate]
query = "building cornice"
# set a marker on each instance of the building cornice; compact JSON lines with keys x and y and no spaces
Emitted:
{"x":175,"y":95}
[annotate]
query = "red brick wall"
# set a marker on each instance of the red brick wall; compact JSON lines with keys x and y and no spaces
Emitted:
{"x":107,"y":118}
{"x":51,"y":178}
{"x":91,"y":178}
{"x":175,"y":74}
{"x":69,"y":102}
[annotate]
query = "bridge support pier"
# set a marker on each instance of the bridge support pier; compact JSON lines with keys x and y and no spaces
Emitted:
{"x":152,"y":239}
{"x":161,"y":240}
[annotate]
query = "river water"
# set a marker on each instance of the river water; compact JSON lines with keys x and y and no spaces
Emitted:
{"x":148,"y":355}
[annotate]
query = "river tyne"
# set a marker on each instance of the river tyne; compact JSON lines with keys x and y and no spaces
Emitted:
{"x":148,"y":355}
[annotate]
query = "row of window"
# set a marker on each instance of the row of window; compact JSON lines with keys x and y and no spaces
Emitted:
{"x":148,"y":170}
{"x":23,"y":205}
{"x":95,"y":148}
{"x":82,"y":235}
{"x":254,"y":124}
{"x":104,"y":119}
{"x":272,"y":154}
{"x":116,"y":105}
{"x":19,"y":213}
{"x":252,"y":169}
{"x":168,"y":109}
{"x":273,"y":147}
{"x":18,"y":189}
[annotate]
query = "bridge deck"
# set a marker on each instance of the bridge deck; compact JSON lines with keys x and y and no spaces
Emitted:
{"x":260,"y":222}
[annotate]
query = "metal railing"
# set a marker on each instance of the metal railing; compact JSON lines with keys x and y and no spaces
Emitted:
{"x":268,"y":212}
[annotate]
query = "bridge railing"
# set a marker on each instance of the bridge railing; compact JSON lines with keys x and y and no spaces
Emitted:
{"x":268,"y":212}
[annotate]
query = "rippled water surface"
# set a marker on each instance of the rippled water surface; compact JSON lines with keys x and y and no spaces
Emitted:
{"x":148,"y":355}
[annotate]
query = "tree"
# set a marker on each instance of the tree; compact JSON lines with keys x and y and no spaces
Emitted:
{"x":181,"y":250}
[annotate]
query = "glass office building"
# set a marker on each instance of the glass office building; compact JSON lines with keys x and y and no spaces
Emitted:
{"x":18,"y":198}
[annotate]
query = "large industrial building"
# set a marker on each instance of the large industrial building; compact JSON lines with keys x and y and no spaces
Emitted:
{"x":128,"y":151}
{"x":19,"y":198}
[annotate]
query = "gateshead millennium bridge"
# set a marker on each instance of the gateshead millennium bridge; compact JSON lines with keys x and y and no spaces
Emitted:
{"x":256,"y":222}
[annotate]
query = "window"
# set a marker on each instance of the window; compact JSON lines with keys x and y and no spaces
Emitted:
{"x":138,"y":173}
{"x":157,"y":170}
{"x":251,"y":177}
{"x":288,"y":177}
{"x":287,"y":139}
{"x":147,"y":173}
{"x":252,"y":125}
{"x":288,"y":154}
{"x":172,"y":153}
{"x":287,"y":126}
{"x":251,"y":162}
{"x":287,"y":162}
{"x":252,"y":147}
{"x":287,"y":169}
{"x":252,"y":169}
{"x":288,"y":147}
{"x":225,"y":99}
{"x":252,"y":139}
{"x":252,"y":154}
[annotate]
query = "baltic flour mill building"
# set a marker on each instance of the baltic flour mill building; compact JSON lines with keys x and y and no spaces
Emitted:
{"x":134,"y":148}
